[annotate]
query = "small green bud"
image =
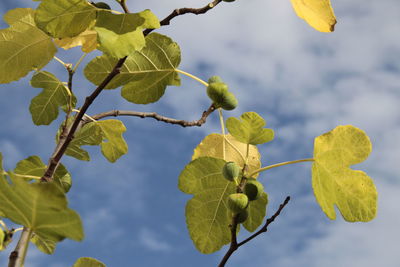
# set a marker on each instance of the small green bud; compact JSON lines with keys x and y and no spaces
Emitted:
{"x":229,"y":102}
{"x":101,"y":5}
{"x":253,"y":189}
{"x":242,"y":216}
{"x":237,"y":202}
{"x":215,"y":79}
{"x":231,"y":171}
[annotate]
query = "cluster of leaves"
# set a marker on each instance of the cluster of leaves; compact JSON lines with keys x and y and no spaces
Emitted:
{"x":209,"y":215}
{"x":149,"y":63}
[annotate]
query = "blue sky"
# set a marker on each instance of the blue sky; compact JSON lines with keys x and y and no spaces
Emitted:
{"x":303,"y":82}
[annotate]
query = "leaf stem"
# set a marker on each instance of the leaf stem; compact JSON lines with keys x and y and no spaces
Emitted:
{"x":60,"y":61}
{"x":3,"y":225}
{"x":79,"y":62}
{"x":279,"y":164}
{"x":192,"y":76}
{"x":221,"y":120}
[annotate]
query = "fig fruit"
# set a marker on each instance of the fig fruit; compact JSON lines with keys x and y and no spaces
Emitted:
{"x":229,"y":101}
{"x":242,"y":216}
{"x":231,"y":171}
{"x":215,"y":79}
{"x":253,"y":189}
{"x":237,"y":202}
{"x":216,"y":92}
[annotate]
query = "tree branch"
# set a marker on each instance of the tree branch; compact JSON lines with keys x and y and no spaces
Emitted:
{"x":234,"y":245}
{"x":183,"y":123}
{"x":17,"y":257}
{"x":181,"y":11}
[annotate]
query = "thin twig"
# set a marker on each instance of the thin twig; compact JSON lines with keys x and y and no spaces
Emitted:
{"x":234,"y":245}
{"x":185,"y":10}
{"x":183,"y":123}
{"x":17,"y":257}
{"x":122,"y":3}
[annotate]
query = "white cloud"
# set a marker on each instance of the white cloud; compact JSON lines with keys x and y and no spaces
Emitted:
{"x":151,"y":240}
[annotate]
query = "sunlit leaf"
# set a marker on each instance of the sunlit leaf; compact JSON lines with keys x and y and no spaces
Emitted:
{"x":257,"y":210}
{"x":120,"y":35}
{"x":212,"y":146}
{"x":334,"y":183}
{"x":145,"y":74}
{"x":249,"y":129}
{"x":47,"y":246}
{"x":64,"y":18}
{"x":207,"y":215}
{"x":87,"y":39}
{"x":23,"y":47}
{"x":318,"y":13}
{"x":88,"y":262}
{"x":89,"y":135}
{"x":63,"y":178}
{"x":32,"y":166}
{"x":113,"y":145}
{"x":44,"y":107}
{"x":42,"y":207}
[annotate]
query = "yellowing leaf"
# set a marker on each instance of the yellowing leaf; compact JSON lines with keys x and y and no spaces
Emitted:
{"x":249,"y":129}
{"x":334,"y":183}
{"x":212,"y":146}
{"x":23,"y":47}
{"x":87,"y":39}
{"x":44,"y":107}
{"x":318,"y":13}
{"x":64,"y":18}
{"x":40,"y":206}
{"x":121,"y":35}
{"x":114,"y":145}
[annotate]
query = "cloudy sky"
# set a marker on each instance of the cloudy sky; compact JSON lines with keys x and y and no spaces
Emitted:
{"x":303,"y":82}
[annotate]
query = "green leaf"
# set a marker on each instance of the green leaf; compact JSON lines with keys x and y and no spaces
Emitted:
{"x":44,"y":245}
{"x":213,"y":144}
{"x":90,"y":135}
{"x":257,"y":210}
{"x":63,"y":178}
{"x":2,"y":236}
{"x":40,"y":206}
{"x":199,"y":174}
{"x":44,"y":107}
{"x":334,"y":183}
{"x":207,"y":215}
{"x":64,"y":18}
{"x":23,"y":47}
{"x":249,"y":129}
{"x":32,"y":166}
{"x":88,"y":262}
{"x":145,"y":74}
{"x":114,"y":145}
{"x":122,"y":34}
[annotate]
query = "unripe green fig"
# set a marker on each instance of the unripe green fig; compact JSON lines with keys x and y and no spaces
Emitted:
{"x":242,"y":216}
{"x":229,"y":101}
{"x":237,"y":202}
{"x":216,"y":92}
{"x":253,"y":189}
{"x":215,"y":79}
{"x":101,"y":5}
{"x":231,"y":171}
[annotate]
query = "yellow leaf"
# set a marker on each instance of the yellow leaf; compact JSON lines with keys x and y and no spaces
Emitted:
{"x":334,"y":183}
{"x":87,"y":39}
{"x":212,"y":145}
{"x":318,"y":13}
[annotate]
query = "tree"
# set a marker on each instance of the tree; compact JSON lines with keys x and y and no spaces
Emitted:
{"x":117,"y":36}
